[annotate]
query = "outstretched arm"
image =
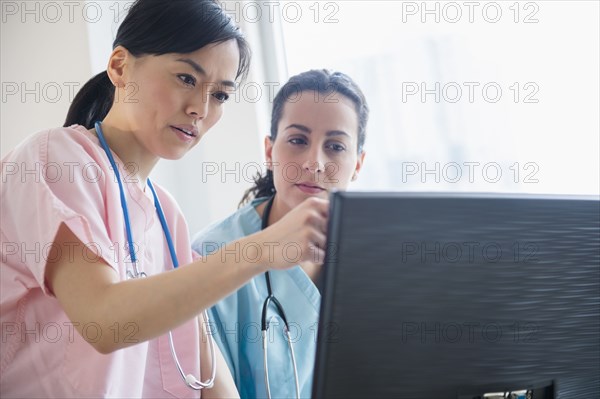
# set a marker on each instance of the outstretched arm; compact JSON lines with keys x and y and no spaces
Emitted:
{"x":91,"y":291}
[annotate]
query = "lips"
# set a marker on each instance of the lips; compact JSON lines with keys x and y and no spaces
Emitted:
{"x":310,"y":188}
{"x":188,"y":130}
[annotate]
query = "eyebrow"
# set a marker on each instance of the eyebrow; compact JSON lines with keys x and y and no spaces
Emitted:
{"x":307,"y":130}
{"x":202,"y":72}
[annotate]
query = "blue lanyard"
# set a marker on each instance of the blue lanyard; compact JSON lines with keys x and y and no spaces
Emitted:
{"x":159,"y":210}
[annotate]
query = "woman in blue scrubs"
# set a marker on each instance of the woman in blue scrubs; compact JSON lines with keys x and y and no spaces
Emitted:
{"x":318,"y":129}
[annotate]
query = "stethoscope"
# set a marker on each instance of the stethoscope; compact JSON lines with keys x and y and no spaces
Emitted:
{"x":189,"y":379}
{"x":263,"y":320}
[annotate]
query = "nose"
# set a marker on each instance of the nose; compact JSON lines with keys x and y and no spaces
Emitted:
{"x":198,"y":106}
{"x":314,"y":162}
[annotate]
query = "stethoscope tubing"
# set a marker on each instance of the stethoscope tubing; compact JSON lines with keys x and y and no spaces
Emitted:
{"x":189,"y":379}
{"x":279,"y":308}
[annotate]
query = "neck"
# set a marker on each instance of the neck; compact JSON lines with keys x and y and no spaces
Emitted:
{"x":278,"y":210}
{"x":137,"y":161}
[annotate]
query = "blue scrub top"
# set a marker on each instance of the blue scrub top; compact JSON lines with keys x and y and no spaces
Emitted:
{"x":237,"y":317}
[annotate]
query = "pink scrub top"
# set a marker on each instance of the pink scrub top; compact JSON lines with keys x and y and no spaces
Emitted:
{"x":63,"y":176}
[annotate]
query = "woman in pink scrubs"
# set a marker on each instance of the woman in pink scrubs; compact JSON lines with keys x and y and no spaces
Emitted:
{"x":73,"y":324}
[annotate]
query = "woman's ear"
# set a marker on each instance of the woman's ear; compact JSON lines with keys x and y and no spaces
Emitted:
{"x":359,"y":162}
{"x":119,"y":59}
{"x":269,"y":152}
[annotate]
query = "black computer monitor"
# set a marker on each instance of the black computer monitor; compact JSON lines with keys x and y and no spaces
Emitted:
{"x":460,"y":296}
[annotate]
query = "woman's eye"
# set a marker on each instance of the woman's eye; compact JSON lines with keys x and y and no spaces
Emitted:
{"x":221,"y":96}
{"x":297,"y":141}
{"x":187,"y":79}
{"x":337,"y":147}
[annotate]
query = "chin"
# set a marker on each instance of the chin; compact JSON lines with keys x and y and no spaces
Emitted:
{"x":173,"y":155}
{"x":323,"y":194}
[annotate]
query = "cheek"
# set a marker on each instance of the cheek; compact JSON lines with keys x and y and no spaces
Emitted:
{"x":286,"y":155}
{"x":286,"y":168}
{"x":215,"y":112}
{"x":151,"y":97}
{"x":340,"y":171}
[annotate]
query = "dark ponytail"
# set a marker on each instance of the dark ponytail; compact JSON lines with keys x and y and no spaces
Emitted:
{"x":321,"y":81}
{"x":92,"y":102}
{"x":264,"y":186}
{"x":157,"y":27}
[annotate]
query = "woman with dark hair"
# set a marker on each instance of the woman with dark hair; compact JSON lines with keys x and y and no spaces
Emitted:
{"x":78,"y":319}
{"x":316,"y":143}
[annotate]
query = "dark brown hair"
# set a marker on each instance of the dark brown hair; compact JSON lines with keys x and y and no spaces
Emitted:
{"x":157,"y":27}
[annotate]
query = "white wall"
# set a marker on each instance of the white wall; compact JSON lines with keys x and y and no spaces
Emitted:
{"x":42,"y":66}
{"x":58,"y":46}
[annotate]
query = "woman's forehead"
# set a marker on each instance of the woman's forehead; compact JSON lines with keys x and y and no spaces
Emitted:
{"x":321,"y":108}
{"x":218,"y":60}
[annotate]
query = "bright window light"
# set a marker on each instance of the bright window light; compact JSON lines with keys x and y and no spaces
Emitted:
{"x":464,"y":96}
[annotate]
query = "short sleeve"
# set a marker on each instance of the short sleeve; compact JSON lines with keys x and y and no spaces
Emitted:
{"x":56,"y":176}
{"x":196,"y":256}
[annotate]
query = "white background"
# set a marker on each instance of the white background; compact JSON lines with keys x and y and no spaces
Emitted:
{"x":389,"y":47}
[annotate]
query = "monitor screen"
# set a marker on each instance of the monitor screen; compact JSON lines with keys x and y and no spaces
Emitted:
{"x":460,"y":296}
